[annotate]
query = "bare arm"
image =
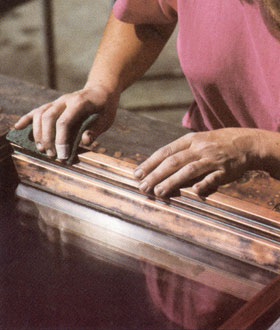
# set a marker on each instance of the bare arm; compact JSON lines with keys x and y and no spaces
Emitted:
{"x":125,"y":53}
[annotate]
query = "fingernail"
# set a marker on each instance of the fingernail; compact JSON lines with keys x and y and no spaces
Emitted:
{"x":139,"y":173}
{"x":159,"y":191}
{"x":39,"y":146}
{"x":63,"y":151}
{"x":88,"y":138}
{"x":50,"y":153}
{"x":144,"y":186}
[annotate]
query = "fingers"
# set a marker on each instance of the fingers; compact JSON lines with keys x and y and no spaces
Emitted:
{"x":181,"y":177}
{"x":48,"y":130}
{"x":24,"y":121}
{"x":211,"y":155}
{"x":169,"y":166}
{"x":61,"y":129}
{"x":66,"y":121}
{"x":62,"y":151}
{"x":44,"y":119}
{"x":45,"y":126}
{"x":53,"y":123}
{"x":37,"y":130}
{"x":34,"y":116}
{"x":74,"y":112}
{"x":209,"y":183}
{"x":160,"y":155}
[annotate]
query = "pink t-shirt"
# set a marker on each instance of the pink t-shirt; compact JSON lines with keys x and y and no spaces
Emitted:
{"x":229,"y":53}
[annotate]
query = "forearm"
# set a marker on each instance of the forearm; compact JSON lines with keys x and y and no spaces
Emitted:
{"x":126,"y":52}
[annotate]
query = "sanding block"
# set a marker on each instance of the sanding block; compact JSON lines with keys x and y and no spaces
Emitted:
{"x":24,"y":138}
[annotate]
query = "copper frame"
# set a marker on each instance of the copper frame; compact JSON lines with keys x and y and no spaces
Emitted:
{"x":106,"y":184}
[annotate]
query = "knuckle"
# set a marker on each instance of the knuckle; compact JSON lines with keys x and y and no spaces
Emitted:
{"x":209,"y":148}
{"x":209,"y":181}
{"x":151,"y":179}
{"x":201,"y":185}
{"x":62,"y":123}
{"x":47,"y":116}
{"x":62,"y":98}
{"x":192,"y":167}
{"x":35,"y":112}
{"x":43,"y":107}
{"x":172,"y":182}
{"x":174,"y":161}
{"x":46,"y":142}
{"x":77,"y":99}
{"x":189,"y":137}
{"x":26,"y":117}
{"x":168,"y":183}
{"x":165,"y":152}
{"x":154,"y":178}
{"x":214,"y":179}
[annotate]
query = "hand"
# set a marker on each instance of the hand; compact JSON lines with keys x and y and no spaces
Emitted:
{"x":211,"y":158}
{"x":53,"y":122}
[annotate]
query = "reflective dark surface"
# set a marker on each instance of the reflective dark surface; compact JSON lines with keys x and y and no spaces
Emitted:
{"x":45,"y":284}
{"x":189,"y":303}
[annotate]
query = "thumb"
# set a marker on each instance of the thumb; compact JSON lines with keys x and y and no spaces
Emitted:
{"x":88,"y":137}
{"x":100,"y":126}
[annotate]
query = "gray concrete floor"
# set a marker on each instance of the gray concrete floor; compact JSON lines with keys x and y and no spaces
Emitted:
{"x":162,"y":94}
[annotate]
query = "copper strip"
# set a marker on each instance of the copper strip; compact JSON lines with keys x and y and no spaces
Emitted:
{"x":140,"y":209}
{"x":120,"y":173}
{"x":217,"y":199}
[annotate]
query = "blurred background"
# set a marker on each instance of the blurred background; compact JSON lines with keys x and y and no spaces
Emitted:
{"x":77,"y":25}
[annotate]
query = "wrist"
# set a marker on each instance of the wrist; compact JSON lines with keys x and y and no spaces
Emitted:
{"x":248,"y":141}
{"x":99,"y":84}
{"x":269,"y":152}
{"x":102,"y":89}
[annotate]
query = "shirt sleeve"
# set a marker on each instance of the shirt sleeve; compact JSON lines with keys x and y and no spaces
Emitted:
{"x":146,"y":11}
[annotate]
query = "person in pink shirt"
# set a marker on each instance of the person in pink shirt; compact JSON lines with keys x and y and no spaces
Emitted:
{"x":229,"y":52}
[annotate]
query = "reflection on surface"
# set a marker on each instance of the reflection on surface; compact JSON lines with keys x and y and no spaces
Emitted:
{"x":44,"y":284}
{"x":47,"y":282}
{"x":189,"y":304}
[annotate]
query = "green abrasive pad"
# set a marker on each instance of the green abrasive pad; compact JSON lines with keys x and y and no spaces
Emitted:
{"x":24,"y":138}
